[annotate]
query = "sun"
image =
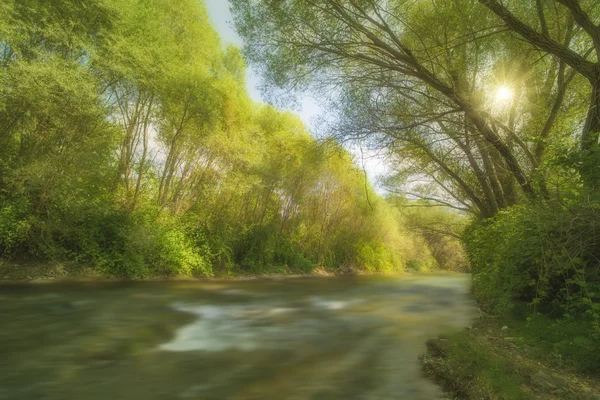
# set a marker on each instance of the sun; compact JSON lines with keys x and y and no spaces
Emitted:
{"x":504,"y":93}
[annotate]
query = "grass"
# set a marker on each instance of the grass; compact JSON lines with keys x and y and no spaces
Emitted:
{"x":499,"y":355}
{"x":466,"y":368}
{"x":562,"y":342}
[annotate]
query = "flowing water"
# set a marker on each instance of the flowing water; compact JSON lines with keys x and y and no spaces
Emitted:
{"x":297,"y":339}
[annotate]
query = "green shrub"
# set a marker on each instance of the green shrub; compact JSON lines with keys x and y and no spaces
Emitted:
{"x":417,"y":265}
{"x":109,"y":240}
{"x":14,"y":228}
{"x":375,"y":257}
{"x":568,"y":341}
{"x":542,"y":255}
{"x":261,"y":248}
{"x":178,"y":256}
{"x":119,"y":243}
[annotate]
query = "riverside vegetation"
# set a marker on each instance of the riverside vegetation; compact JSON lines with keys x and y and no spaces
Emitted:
{"x":129,"y":146}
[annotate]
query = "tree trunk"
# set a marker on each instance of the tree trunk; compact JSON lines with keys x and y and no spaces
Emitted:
{"x":590,"y":172}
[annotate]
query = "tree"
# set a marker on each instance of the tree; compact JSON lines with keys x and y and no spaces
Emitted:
{"x":128,"y":142}
{"x":425,"y":90}
{"x":554,"y":17}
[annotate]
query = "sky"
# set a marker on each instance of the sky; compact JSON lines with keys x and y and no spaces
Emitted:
{"x":309,"y":109}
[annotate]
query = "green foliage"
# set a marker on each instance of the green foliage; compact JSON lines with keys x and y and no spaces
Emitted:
{"x":14,"y":228}
{"x":542,"y":255}
{"x":375,"y":257}
{"x":479,"y":364}
{"x":558,"y":341}
{"x":129,"y":144}
{"x":259,"y":249}
{"x":179,"y":257}
{"x":416,"y":87}
{"x":436,"y":235}
{"x":469,"y":370}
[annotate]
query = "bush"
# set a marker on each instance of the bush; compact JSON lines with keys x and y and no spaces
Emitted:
{"x":148,"y":244}
{"x":14,"y":228}
{"x":418,"y":265}
{"x":178,"y":256}
{"x":547,"y":256}
{"x":117,"y":242}
{"x":261,"y":248}
{"x":375,"y":257}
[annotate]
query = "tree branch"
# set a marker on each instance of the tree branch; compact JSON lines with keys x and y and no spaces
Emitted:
{"x":584,"y":21}
{"x":544,"y":42}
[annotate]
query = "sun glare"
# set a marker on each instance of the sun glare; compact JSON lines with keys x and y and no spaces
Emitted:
{"x":504,"y":93}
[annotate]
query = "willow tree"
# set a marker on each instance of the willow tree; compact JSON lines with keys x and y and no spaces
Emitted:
{"x":53,"y":134}
{"x":421,"y":75}
{"x":147,"y":58}
{"x":543,"y":25}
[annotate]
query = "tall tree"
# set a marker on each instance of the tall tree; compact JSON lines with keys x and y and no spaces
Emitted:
{"x":419,"y":73}
{"x":581,"y":53}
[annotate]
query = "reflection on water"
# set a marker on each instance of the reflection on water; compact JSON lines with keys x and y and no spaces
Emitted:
{"x":304,"y":339}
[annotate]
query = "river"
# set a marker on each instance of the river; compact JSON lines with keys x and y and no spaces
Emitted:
{"x":297,"y":339}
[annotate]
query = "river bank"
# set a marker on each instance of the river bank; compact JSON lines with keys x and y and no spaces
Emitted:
{"x":48,"y":272}
{"x":27,"y":271}
{"x":514,"y":357}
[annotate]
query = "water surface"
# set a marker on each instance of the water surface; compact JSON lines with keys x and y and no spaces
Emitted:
{"x":297,"y":339}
